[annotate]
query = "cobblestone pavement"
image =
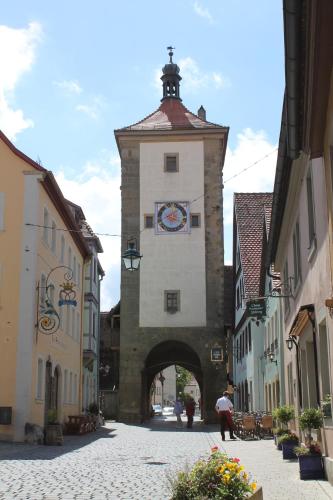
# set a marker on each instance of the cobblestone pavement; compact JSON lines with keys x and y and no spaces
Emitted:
{"x":132,"y":462}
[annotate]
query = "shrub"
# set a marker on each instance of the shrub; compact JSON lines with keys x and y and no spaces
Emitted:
{"x":312,"y":449}
{"x":218,"y":477}
{"x":288,"y":437}
{"x":93,"y":409}
{"x":52,"y":417}
{"x":284,"y":414}
{"x":278,"y":431}
{"x":311,"y":418}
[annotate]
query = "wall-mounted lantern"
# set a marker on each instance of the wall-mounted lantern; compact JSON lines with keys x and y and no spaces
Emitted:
{"x":131,"y":256}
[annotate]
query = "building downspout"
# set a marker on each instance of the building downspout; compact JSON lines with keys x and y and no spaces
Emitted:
{"x":315,"y":354}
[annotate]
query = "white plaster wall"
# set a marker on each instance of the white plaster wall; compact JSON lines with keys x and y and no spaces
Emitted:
{"x":25,"y":341}
{"x":172,"y":261}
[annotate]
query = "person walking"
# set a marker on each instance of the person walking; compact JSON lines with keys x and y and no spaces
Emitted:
{"x":178,"y":410}
{"x":190,"y":409}
{"x":224,"y":408}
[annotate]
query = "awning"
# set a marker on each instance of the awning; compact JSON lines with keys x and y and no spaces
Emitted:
{"x":301,"y":320}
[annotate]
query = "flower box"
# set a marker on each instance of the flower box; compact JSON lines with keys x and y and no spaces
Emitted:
{"x":311,"y":467}
{"x":288,"y":450}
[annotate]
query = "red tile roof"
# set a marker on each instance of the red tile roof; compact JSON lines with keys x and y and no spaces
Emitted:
{"x":171,"y":114}
{"x":250,"y":212}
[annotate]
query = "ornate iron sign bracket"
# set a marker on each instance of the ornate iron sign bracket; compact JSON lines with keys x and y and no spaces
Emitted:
{"x":48,"y":319}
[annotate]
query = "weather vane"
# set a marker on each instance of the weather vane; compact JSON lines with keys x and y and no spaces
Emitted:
{"x":170,"y":49}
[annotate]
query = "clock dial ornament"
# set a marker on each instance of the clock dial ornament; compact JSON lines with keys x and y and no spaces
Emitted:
{"x":172,"y":217}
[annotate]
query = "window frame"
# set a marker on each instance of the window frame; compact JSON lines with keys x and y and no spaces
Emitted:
{"x":199,"y":220}
{"x":171,"y":310}
{"x":168,"y":155}
{"x":147,"y":217}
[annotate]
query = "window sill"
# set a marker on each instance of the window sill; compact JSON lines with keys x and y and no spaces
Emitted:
{"x":39,"y":401}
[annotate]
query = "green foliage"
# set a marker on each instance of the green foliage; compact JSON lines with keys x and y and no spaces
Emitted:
{"x":311,"y":418}
{"x":52,"y":417}
{"x":183,"y":377}
{"x":284,"y":414}
{"x":284,"y":438}
{"x":312,"y":449}
{"x":218,"y":477}
{"x":278,"y":431}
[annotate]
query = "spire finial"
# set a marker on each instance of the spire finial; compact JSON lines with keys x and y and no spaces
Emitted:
{"x":170,"y":49}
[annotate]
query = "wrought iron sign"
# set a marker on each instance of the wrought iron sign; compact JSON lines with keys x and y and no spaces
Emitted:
{"x":48,"y":319}
{"x":257,"y":308}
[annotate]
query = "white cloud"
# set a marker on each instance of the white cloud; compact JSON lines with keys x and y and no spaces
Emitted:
{"x":194,"y":78}
{"x":17,"y":55}
{"x":97,"y":191}
{"x":69,"y":86}
{"x":93,"y":108}
{"x":251,"y":147}
{"x":203,"y":12}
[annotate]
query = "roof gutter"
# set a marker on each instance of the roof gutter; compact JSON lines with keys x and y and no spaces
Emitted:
{"x":292,"y":40}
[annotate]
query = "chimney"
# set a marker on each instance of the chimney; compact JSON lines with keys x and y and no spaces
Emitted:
{"x":202,"y":113}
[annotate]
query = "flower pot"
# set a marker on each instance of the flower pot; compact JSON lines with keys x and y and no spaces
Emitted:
{"x":53,"y":434}
{"x":311,"y":467}
{"x":288,"y":449}
{"x":279,"y":446}
{"x":257,"y":495}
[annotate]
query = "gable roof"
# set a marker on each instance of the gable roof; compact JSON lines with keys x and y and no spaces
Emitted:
{"x":251,"y":210}
{"x":171,"y":115}
{"x":54,"y":192}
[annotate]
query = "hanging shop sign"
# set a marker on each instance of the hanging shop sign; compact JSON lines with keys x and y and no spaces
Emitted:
{"x":256,"y":308}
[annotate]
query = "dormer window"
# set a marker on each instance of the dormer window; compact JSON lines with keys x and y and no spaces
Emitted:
{"x":171,"y":163}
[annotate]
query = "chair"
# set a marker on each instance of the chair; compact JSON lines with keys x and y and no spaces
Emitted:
{"x":266,"y":426}
{"x":248,"y":427}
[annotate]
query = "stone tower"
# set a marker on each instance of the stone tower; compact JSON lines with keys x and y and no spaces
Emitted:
{"x":172,"y":307}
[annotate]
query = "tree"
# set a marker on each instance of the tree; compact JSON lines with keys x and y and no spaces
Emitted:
{"x":183,"y":377}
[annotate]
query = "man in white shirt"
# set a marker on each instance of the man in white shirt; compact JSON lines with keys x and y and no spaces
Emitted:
{"x":224,"y":407}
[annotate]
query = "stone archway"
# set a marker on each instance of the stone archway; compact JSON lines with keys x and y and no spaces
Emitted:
{"x":161,"y":356}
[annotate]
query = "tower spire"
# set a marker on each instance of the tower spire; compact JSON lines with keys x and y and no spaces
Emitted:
{"x":171,"y":78}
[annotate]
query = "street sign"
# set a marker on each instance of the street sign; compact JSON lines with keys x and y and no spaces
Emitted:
{"x":257,"y":308}
{"x":216,"y":354}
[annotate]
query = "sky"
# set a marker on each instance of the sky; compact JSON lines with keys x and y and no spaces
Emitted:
{"x":73,"y":71}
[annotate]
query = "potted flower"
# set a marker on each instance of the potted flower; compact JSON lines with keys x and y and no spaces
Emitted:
{"x":283,"y":415}
{"x":218,"y":477}
{"x":277,"y":432}
{"x":53,"y":429}
{"x":288,"y":442}
{"x":309,"y":456}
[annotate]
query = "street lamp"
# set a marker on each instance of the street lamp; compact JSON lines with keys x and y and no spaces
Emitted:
{"x":291,"y":341}
{"x":131,"y":256}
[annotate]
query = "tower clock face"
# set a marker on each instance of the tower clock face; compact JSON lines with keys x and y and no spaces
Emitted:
{"x":172,"y":217}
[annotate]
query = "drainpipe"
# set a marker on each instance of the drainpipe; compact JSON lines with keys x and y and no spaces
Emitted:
{"x":292,"y":40}
{"x":315,"y":354}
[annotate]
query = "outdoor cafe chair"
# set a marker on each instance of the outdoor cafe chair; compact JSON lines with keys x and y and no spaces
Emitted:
{"x":248,"y":427}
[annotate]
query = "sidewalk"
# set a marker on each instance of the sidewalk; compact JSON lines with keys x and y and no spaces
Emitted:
{"x":131,"y":462}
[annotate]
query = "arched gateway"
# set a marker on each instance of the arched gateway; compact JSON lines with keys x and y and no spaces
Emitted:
{"x":172,"y":308}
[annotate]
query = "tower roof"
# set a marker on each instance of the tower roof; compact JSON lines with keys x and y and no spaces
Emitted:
{"x":171,"y":115}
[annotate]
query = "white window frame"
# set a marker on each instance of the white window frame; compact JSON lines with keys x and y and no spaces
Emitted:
{"x":46,"y":222}
{"x":62,"y":250}
{"x":54,"y":237}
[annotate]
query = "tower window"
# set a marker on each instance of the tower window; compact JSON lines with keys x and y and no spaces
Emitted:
{"x":148,"y":221}
{"x":171,"y":163}
{"x":172,"y":301}
{"x":195,"y":220}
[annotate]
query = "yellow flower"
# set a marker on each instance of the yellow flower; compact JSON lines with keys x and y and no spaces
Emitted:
{"x":253,"y":486}
{"x":245,"y":476}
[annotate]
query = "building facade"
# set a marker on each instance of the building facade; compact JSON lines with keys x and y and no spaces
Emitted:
{"x":41,"y":248}
{"x":172,"y":308}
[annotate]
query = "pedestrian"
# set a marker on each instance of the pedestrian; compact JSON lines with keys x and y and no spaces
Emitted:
{"x":190,"y":409}
{"x":178,"y":410}
{"x":224,"y":408}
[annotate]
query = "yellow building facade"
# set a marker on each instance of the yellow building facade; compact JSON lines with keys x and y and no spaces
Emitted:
{"x":39,"y":242}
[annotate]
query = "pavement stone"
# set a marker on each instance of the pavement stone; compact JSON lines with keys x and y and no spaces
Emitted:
{"x":120,"y":462}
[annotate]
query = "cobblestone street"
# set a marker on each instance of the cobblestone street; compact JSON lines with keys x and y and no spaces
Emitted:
{"x":132,"y":462}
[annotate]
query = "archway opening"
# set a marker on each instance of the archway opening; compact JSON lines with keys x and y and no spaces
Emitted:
{"x":172,"y":370}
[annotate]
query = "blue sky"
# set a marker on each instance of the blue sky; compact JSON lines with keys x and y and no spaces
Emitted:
{"x":72,"y":72}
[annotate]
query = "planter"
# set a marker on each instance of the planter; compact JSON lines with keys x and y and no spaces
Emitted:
{"x":53,"y":434}
{"x":311,"y":467}
{"x":257,"y":495}
{"x":279,"y":446}
{"x":288,"y":450}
